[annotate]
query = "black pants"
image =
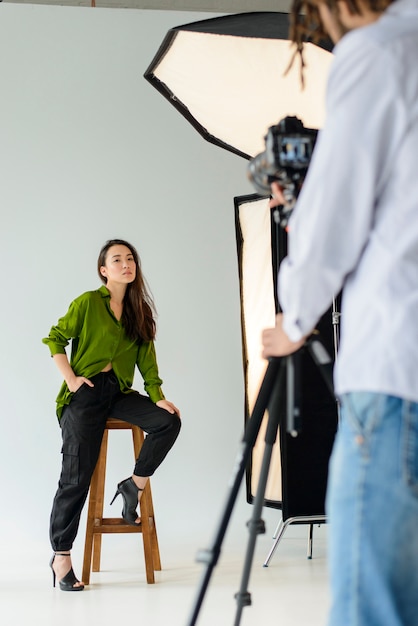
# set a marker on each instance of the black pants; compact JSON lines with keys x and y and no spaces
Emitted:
{"x":83,"y":422}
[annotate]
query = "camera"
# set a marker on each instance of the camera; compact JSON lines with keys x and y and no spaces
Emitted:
{"x":289,"y":148}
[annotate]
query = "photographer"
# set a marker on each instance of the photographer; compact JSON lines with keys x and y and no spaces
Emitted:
{"x":355,"y":227}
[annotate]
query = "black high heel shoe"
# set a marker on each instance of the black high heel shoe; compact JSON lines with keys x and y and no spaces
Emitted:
{"x":67,"y":583}
{"x":129,"y":492}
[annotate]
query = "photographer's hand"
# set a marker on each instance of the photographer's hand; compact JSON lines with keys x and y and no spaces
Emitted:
{"x":278,"y":198}
{"x":276,"y":342}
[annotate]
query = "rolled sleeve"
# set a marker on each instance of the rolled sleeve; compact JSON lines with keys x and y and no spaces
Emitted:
{"x":147,"y":365}
{"x":66,"y":328}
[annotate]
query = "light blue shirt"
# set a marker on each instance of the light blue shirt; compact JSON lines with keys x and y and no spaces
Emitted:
{"x":356,"y":221}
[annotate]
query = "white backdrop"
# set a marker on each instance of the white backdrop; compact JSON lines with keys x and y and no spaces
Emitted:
{"x":90,"y":151}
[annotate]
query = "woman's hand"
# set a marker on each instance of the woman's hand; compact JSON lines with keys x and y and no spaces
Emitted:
{"x":168,"y":406}
{"x":75,"y":383}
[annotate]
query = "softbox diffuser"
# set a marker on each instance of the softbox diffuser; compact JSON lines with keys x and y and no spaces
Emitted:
{"x":258,"y":309}
{"x":226,"y":76}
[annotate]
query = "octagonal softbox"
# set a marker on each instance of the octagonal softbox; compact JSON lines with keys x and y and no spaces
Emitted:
{"x":226,"y":76}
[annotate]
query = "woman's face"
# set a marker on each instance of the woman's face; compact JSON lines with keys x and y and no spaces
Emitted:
{"x":120,"y":266}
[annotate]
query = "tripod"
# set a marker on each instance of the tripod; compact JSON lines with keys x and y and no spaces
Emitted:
{"x":210,"y":556}
{"x":256,"y":525}
{"x":317,"y":355}
{"x":267,"y":398}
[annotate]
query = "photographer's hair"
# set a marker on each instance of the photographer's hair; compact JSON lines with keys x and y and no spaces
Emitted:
{"x":138,"y":306}
{"x":305,"y":22}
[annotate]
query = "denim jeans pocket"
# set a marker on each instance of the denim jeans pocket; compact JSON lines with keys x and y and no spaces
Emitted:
{"x":70,"y":463}
{"x":363,"y":412}
{"x":410,"y":446}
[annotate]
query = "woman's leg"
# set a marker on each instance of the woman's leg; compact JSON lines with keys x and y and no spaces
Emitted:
{"x":80,"y":451}
{"x":82,"y":425}
{"x":162,"y":429}
{"x":79,"y":458}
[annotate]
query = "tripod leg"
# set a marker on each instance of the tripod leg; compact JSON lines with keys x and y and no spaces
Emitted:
{"x":210,"y":557}
{"x":256,"y":524}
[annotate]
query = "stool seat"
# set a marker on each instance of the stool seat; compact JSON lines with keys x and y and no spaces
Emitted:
{"x":97,"y":525}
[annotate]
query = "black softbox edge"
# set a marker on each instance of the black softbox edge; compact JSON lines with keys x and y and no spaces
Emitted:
{"x":266,"y":25}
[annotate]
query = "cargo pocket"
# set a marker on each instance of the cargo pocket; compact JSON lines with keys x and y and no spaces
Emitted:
{"x":70,"y":463}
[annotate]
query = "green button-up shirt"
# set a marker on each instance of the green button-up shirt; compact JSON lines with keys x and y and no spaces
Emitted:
{"x":98,"y":338}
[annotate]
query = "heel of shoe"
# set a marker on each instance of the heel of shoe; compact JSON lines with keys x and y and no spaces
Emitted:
{"x":68,"y":583}
{"x":116,"y":495}
{"x":129,"y":492}
{"x":54,"y":576}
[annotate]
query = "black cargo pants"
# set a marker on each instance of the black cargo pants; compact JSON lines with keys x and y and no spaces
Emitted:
{"x":82,"y":423}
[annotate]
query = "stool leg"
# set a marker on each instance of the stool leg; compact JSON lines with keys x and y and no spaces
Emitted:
{"x":98,"y":513}
{"x":147,"y":528}
{"x":154,"y":538}
{"x":149,"y":533}
{"x":96,"y":481}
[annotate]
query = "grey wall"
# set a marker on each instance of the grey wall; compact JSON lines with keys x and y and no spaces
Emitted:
{"x":89,"y":151}
{"x":220,"y":6}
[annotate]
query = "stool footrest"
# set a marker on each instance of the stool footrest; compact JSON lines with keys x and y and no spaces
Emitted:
{"x":114,"y":525}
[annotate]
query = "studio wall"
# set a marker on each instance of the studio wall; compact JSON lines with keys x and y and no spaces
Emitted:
{"x":89,"y":151}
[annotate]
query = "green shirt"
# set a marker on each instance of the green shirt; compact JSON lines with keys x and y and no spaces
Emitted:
{"x":98,"y":338}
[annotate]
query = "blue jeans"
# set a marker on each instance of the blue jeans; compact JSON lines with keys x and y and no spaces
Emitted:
{"x":372,"y":504}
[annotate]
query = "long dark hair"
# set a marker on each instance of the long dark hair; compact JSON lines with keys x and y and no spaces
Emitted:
{"x":306,"y":25}
{"x":138,"y":306}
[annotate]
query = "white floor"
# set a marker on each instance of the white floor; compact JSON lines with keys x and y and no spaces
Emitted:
{"x":292,"y":591}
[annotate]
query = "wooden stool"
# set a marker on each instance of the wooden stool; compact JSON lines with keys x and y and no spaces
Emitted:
{"x":97,"y":525}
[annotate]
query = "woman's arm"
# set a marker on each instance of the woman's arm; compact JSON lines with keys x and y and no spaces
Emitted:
{"x":73,"y":382}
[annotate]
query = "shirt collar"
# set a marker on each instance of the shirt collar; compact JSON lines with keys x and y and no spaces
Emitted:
{"x":104,"y":291}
